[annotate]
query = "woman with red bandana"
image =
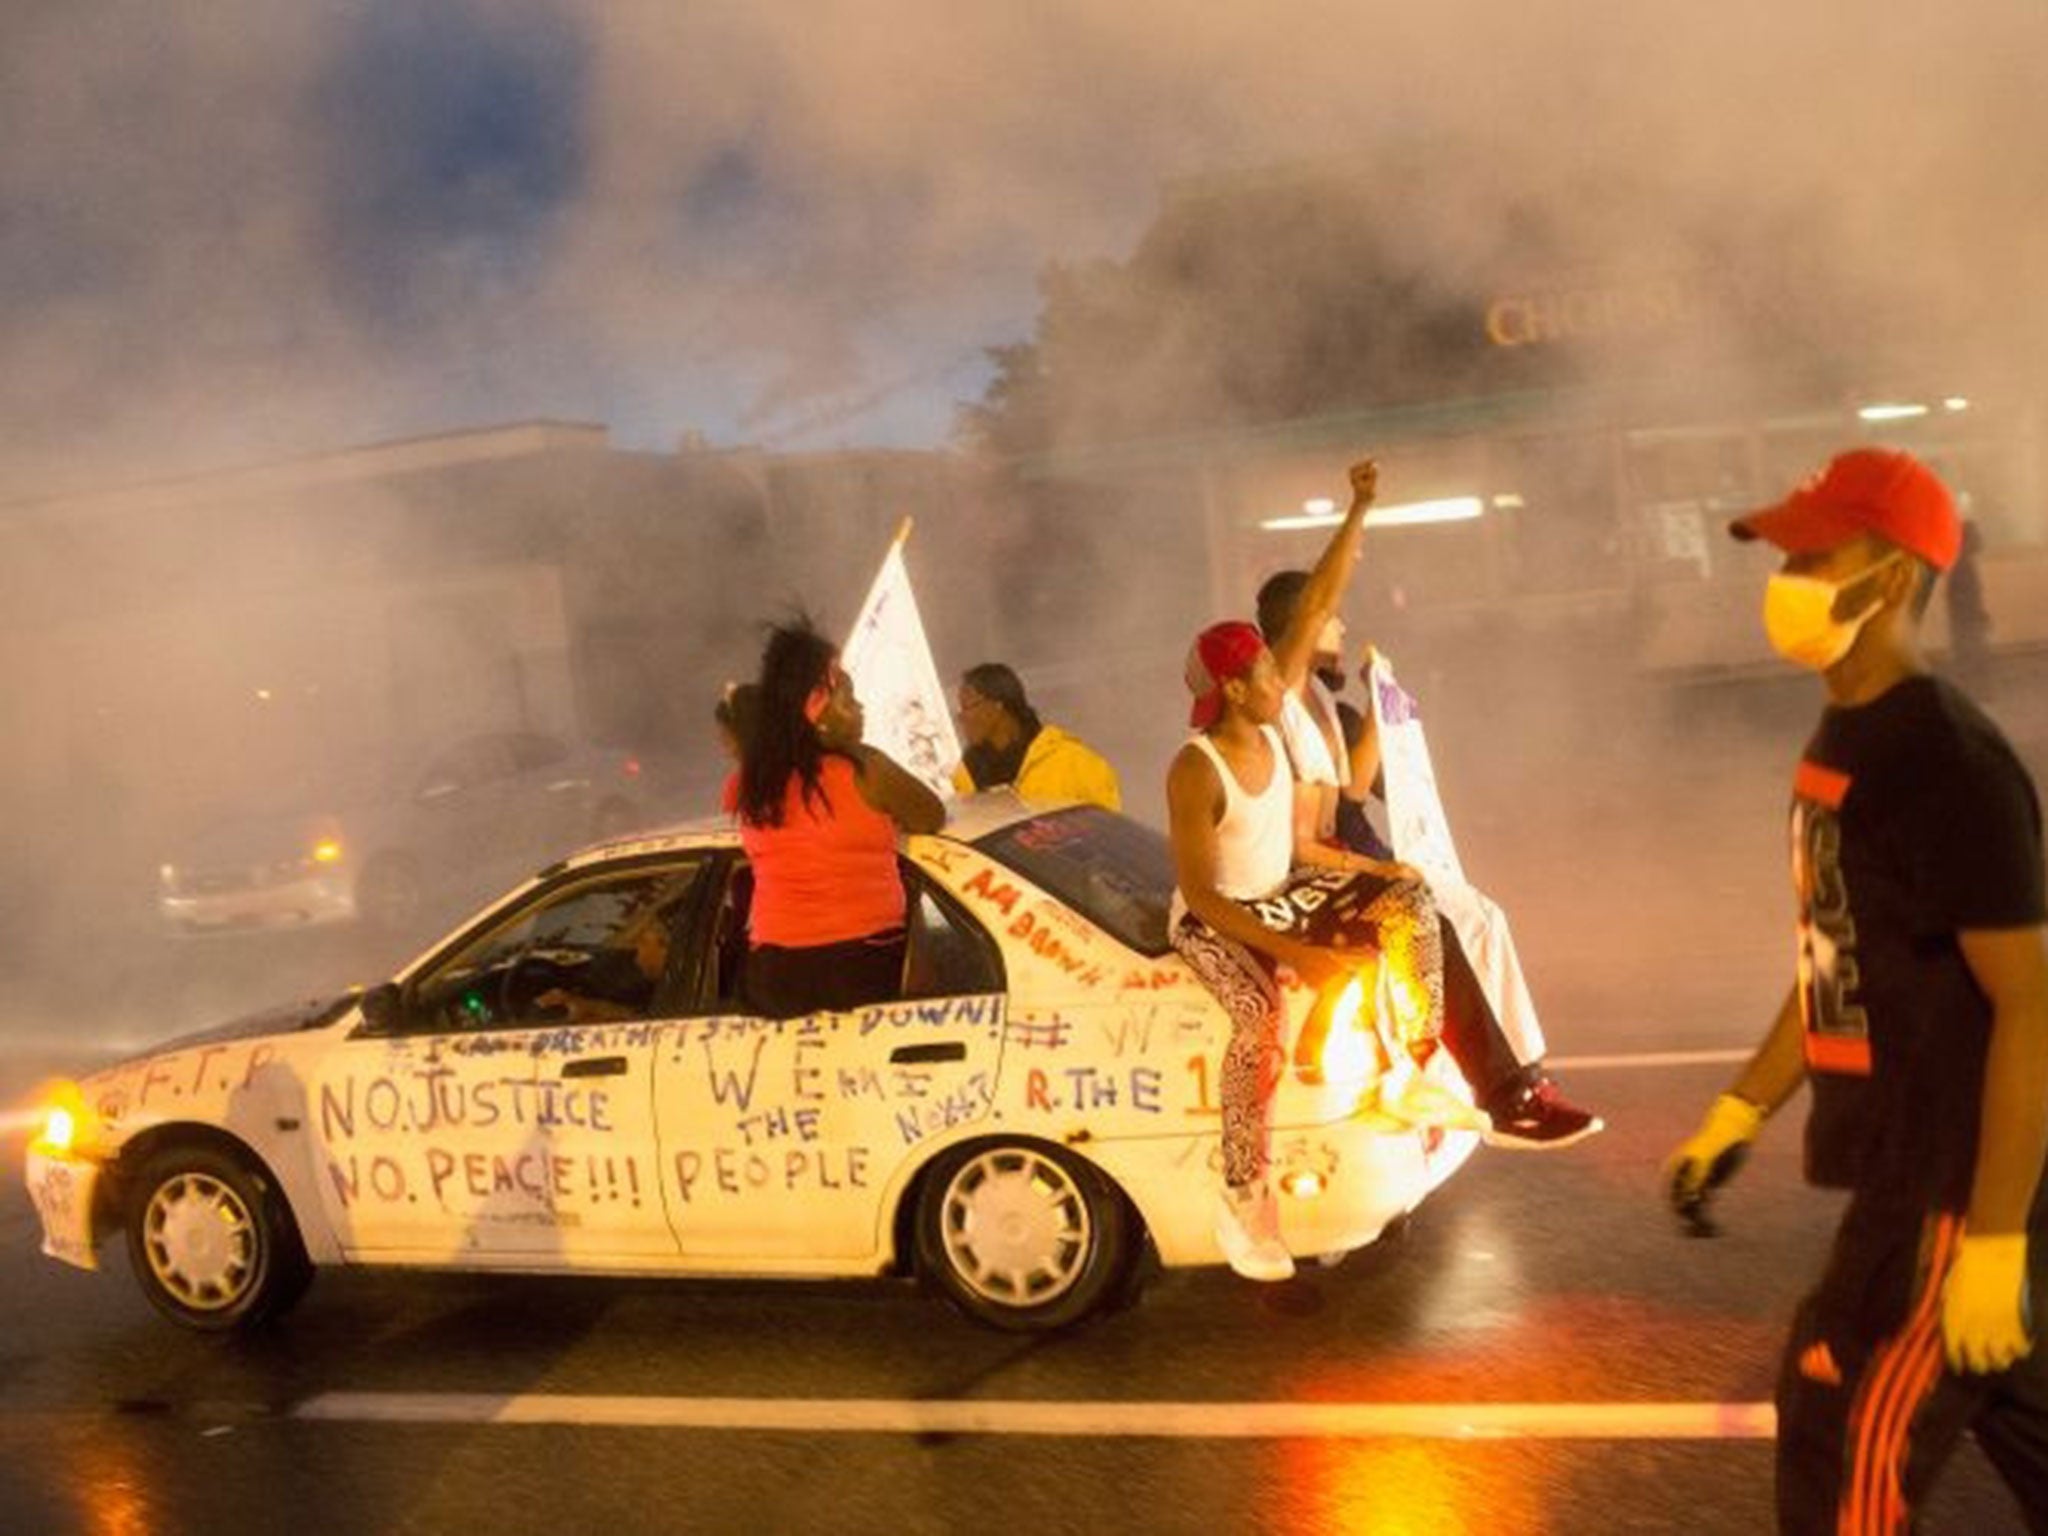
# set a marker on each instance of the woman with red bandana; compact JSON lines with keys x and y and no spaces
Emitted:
{"x":819,"y":814}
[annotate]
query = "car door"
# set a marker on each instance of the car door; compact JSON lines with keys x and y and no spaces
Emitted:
{"x":479,"y":1122}
{"x":780,"y":1138}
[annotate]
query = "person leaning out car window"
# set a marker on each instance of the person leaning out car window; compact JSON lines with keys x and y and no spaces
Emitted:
{"x":819,"y":812}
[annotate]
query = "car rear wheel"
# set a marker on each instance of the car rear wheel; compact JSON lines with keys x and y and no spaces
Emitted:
{"x":211,"y":1242}
{"x":1022,"y":1235}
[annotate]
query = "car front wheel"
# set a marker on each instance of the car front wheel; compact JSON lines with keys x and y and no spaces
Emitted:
{"x":1021,"y":1235}
{"x":211,"y":1242}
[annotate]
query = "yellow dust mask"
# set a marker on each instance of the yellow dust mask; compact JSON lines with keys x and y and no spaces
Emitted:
{"x":1799,"y":616}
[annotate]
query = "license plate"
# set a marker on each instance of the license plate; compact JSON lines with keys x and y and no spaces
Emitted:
{"x":62,"y":1188}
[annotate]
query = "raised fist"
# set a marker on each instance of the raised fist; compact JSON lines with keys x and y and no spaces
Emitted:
{"x":1365,"y":481}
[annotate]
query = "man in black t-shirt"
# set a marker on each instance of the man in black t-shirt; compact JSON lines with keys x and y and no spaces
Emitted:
{"x":1920,"y":1017}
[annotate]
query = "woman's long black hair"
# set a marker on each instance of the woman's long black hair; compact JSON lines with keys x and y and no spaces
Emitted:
{"x":795,"y":663}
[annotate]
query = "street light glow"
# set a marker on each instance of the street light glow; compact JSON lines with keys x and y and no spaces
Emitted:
{"x":1406,"y":514}
{"x":1448,"y":509}
{"x":1888,"y":412}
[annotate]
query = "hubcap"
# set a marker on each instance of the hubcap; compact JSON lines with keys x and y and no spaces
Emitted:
{"x":201,"y":1241}
{"x":1016,"y":1227}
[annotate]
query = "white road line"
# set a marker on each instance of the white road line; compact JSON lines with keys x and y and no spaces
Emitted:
{"x":1648,"y":1059}
{"x":1179,"y":1421}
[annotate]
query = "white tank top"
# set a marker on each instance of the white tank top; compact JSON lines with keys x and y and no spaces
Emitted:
{"x":1255,"y":838}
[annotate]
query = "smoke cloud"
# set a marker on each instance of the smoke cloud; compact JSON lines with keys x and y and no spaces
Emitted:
{"x":241,"y":232}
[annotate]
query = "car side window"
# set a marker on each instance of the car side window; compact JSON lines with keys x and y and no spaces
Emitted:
{"x":603,"y":949}
{"x":951,"y":955}
{"x":727,"y":958}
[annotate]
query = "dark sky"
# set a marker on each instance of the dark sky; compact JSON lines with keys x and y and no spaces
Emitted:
{"x":241,"y":230}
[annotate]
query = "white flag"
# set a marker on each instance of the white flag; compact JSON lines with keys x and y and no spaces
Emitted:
{"x":1416,"y":823}
{"x":890,"y":662}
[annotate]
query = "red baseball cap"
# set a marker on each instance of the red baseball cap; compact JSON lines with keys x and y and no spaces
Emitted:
{"x":1867,"y":490}
{"x":1220,"y":652}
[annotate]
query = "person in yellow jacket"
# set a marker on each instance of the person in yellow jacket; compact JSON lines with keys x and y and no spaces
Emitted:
{"x":1007,"y":744}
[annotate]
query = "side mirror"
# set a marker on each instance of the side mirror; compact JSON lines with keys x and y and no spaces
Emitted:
{"x":383,"y":1008}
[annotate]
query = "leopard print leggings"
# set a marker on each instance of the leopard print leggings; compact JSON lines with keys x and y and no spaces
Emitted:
{"x":1400,"y":921}
{"x":1244,"y":983}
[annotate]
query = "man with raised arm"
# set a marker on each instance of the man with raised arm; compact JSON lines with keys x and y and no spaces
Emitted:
{"x":1299,"y":619}
{"x":1236,"y":840}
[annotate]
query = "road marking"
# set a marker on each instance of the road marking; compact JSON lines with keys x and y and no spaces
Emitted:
{"x":1649,"y":1059}
{"x":1163,"y":1420}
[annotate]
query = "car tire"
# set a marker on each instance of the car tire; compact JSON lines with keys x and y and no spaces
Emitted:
{"x":389,"y":897}
{"x":211,"y":1241}
{"x":1022,"y":1235}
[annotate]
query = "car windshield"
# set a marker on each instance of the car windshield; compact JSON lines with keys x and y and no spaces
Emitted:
{"x":1111,"y":870}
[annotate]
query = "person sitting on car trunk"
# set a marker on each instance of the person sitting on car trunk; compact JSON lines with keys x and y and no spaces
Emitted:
{"x":1008,"y":744}
{"x":819,"y":813}
{"x":1499,"y":1048}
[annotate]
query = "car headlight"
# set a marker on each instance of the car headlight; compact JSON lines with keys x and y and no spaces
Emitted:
{"x":63,"y":1114}
{"x":60,"y":1128}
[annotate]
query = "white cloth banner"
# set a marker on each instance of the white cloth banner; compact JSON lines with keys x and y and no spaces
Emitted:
{"x":890,"y":662}
{"x":1421,"y":835}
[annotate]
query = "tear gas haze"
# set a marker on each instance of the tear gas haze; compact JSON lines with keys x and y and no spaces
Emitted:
{"x":1218,"y":253}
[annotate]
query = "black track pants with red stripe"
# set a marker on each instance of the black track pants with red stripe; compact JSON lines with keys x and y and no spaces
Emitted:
{"x":1867,"y":1412}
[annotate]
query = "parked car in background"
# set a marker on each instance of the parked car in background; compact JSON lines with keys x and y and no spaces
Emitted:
{"x":571,"y":1081}
{"x":390,"y":849}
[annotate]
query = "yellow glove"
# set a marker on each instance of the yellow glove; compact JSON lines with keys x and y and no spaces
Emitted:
{"x":1984,"y":1323}
{"x":1710,"y":1158}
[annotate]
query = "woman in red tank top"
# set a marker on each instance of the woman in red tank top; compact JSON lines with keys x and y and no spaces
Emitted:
{"x":819,"y":813}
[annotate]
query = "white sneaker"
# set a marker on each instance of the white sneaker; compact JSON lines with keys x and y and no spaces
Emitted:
{"x":1248,"y":1232}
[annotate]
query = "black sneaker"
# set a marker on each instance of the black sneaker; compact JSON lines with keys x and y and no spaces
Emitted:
{"x":1535,"y":1118}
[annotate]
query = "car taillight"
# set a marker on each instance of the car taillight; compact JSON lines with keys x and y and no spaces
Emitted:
{"x":1303,"y":1183}
{"x":630,"y":768}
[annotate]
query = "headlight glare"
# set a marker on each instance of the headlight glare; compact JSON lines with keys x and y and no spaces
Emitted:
{"x":60,"y":1129}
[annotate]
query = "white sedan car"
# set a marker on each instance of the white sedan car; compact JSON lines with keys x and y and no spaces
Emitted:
{"x":553,"y":1089}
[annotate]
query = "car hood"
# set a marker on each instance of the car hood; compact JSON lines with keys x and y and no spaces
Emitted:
{"x":283,"y":1019}
{"x":258,"y":839}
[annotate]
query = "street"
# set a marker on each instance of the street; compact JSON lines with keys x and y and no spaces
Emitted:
{"x":1542,"y":1351}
